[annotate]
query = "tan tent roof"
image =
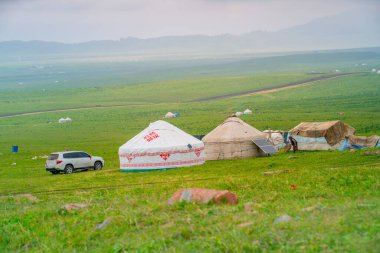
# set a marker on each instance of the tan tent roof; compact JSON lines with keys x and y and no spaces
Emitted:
{"x":333,"y":131}
{"x":233,"y":129}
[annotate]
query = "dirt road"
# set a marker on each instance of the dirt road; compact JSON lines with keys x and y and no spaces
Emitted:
{"x":274,"y":88}
{"x":237,"y":94}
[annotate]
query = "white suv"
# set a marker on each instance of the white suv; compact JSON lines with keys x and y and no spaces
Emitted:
{"x":70,"y":161}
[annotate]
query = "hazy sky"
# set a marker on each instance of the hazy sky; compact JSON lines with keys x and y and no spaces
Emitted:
{"x":83,"y":20}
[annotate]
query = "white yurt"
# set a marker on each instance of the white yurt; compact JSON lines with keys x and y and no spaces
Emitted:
{"x":161,"y":146}
{"x":169,"y":115}
{"x":247,"y":111}
{"x":238,"y":114}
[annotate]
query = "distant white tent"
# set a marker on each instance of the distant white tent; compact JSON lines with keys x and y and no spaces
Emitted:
{"x":161,"y":146}
{"x":378,"y":72}
{"x":374,"y":70}
{"x":238,"y":114}
{"x":247,"y":111}
{"x":65,"y":120}
{"x":169,"y":115}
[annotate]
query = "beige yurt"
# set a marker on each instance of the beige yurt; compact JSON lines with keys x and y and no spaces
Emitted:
{"x":232,"y":139}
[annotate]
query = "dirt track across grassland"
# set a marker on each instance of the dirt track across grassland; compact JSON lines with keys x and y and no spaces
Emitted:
{"x":275,"y":88}
{"x":10,"y":115}
{"x":237,"y":94}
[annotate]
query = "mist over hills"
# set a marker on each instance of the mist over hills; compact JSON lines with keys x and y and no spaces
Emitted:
{"x":336,"y":32}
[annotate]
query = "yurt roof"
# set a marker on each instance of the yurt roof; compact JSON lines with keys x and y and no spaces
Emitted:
{"x":160,"y":135}
{"x":233,"y":129}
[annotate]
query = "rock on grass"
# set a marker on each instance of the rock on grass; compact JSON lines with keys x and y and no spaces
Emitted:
{"x":268,"y":173}
{"x":309,"y":209}
{"x":204,"y":196}
{"x":75,"y":206}
{"x":245,"y":224}
{"x":377,"y":152}
{"x":248,"y":208}
{"x":283,"y":219}
{"x":104,"y":224}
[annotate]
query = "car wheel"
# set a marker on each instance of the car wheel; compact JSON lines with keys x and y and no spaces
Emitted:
{"x":98,"y":166}
{"x":69,"y":169}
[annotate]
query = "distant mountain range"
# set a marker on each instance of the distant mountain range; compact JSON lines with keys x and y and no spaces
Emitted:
{"x":337,"y":32}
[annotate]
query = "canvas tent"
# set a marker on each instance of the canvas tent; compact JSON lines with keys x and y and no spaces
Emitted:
{"x":161,"y":146}
{"x":169,"y":115}
{"x":247,"y":111}
{"x":363,"y":141}
{"x":65,"y":120}
{"x":321,"y":135}
{"x":233,"y":139}
{"x":275,"y":137}
{"x":359,"y":142}
{"x":238,"y":114}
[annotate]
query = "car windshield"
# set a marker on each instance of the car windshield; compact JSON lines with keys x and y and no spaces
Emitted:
{"x":53,"y":157}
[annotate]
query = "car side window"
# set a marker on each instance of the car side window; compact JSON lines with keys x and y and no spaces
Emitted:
{"x":72,"y":155}
{"x":68,"y":155}
{"x":83,"y":155}
{"x":77,"y":155}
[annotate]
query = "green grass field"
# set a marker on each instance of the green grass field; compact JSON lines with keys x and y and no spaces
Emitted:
{"x":341,"y":187}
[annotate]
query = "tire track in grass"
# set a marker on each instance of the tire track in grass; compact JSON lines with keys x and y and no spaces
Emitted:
{"x":110,"y":187}
{"x":67,"y":190}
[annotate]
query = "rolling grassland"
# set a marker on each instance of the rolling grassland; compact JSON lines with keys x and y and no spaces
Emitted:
{"x":332,"y":196}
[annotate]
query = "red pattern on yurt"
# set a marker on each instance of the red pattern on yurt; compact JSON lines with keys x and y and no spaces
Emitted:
{"x":151,"y":136}
{"x":165,"y":155}
{"x":149,"y":165}
{"x":169,"y":152}
{"x":129,"y":157}
{"x":198,"y":152}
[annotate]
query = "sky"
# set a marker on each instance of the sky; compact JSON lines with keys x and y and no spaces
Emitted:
{"x":84,"y":20}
